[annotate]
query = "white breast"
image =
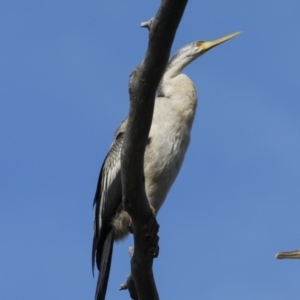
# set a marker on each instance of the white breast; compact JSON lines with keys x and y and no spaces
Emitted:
{"x":169,"y":139}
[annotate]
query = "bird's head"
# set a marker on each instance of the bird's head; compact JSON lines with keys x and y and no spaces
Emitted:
{"x":192,"y":51}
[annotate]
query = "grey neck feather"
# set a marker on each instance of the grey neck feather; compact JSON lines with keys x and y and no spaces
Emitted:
{"x":175,"y":65}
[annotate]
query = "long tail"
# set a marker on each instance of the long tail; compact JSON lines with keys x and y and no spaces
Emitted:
{"x":105,"y":262}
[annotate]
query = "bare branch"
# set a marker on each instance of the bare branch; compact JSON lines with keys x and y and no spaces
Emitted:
{"x":142,"y":88}
{"x":289,"y":255}
{"x":147,"y":24}
{"x":130,"y":286}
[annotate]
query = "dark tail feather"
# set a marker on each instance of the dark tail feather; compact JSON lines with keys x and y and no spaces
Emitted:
{"x":105,"y":263}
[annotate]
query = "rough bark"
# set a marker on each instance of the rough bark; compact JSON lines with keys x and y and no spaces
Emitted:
{"x":142,"y":88}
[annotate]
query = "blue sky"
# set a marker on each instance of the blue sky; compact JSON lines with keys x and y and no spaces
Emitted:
{"x":64,"y":76}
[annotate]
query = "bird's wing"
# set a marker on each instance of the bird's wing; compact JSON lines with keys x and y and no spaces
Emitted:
{"x":108,"y":195}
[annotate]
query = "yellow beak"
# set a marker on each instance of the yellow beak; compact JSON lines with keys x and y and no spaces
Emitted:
{"x":291,"y":254}
{"x":211,"y":44}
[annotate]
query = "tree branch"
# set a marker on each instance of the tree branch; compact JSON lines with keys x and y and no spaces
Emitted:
{"x":142,"y":88}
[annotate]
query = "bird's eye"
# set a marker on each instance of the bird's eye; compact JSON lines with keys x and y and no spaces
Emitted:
{"x":199,"y":44}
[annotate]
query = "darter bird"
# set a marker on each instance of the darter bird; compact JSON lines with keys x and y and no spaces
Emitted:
{"x":168,"y":140}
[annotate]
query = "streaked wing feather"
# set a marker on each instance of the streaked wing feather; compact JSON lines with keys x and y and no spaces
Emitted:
{"x":108,"y":196}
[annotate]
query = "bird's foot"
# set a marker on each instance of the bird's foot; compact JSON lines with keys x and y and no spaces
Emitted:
{"x":129,"y":225}
{"x":151,"y":229}
{"x":131,"y":251}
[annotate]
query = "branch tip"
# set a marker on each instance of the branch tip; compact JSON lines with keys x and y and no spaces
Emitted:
{"x":123,"y":287}
{"x":147,"y":24}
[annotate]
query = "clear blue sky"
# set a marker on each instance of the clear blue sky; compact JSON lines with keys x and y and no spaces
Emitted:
{"x":64,"y":76}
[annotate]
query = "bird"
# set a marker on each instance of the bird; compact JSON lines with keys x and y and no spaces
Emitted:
{"x":291,"y":254}
{"x":167,"y":143}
